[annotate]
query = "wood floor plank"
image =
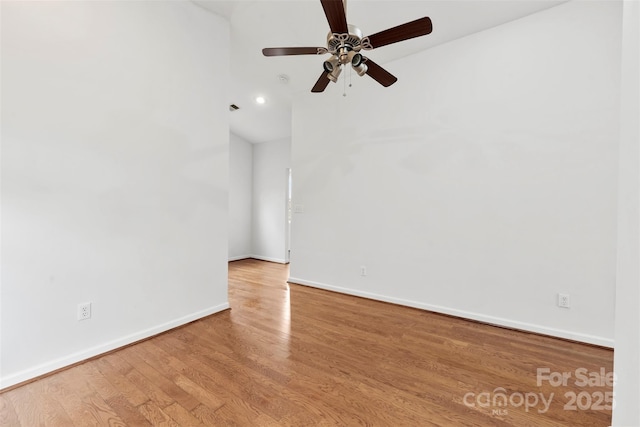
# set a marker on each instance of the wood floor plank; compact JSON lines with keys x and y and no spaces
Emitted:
{"x":227,"y":378}
{"x":8,"y":415}
{"x":182,"y":416}
{"x":189,"y":378}
{"x":115,"y":400}
{"x":27,"y":407}
{"x":291,"y":355}
{"x":126,"y":411}
{"x":208,"y":416}
{"x":98,"y":409}
{"x":151,"y":390}
{"x":156,"y":416}
{"x":119,"y":381}
{"x":46,"y":392}
{"x":157,"y":382}
{"x":74,"y":392}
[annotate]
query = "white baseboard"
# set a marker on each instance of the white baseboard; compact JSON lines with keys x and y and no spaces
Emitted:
{"x":498,"y":321}
{"x":264,"y":258}
{"x":239,"y":257}
{"x":71,"y":359}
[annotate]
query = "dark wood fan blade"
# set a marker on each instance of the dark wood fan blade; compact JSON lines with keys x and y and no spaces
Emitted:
{"x":322,"y":83}
{"x":334,"y":10}
{"x":379,"y":74}
{"x":281,"y":51}
{"x":417,"y":28}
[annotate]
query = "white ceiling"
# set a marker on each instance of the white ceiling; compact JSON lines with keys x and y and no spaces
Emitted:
{"x":268,"y":23}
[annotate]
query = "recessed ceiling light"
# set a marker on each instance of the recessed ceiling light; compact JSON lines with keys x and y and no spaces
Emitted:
{"x":260,"y":100}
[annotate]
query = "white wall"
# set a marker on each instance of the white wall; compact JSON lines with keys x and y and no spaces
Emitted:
{"x":480,"y":185}
{"x":627,"y":323}
{"x":270,"y":163}
{"x":114,"y":176}
{"x":240,"y":197}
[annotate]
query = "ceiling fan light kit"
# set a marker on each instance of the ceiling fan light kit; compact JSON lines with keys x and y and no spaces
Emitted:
{"x":333,"y":75}
{"x":345,"y":41}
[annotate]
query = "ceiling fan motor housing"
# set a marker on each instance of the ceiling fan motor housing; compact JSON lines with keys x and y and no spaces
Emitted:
{"x":345,"y":48}
{"x":341,"y":44}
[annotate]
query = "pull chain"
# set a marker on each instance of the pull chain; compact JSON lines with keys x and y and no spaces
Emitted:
{"x":350,"y":74}
{"x":344,"y":85}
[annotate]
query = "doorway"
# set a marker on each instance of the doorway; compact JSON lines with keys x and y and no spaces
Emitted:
{"x":288,"y":216}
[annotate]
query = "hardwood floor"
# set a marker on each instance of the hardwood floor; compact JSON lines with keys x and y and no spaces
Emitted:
{"x":289,"y":355}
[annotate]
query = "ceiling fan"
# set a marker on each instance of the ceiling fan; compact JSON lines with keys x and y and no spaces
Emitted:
{"x":345,"y":41}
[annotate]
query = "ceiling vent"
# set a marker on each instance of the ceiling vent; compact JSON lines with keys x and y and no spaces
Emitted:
{"x":233,"y":107}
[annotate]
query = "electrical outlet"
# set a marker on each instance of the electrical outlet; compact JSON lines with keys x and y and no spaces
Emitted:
{"x":363,"y":270}
{"x":564,"y":301}
{"x":84,"y":311}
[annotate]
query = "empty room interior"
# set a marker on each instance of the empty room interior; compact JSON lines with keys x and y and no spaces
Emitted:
{"x":197,"y":231}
